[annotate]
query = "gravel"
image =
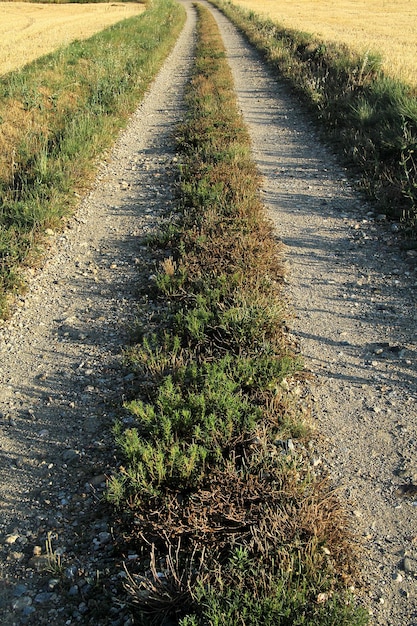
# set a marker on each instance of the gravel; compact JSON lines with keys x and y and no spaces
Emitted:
{"x":62,"y":380}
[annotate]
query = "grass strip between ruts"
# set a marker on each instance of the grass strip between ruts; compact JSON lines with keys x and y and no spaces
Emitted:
{"x":57,"y":116}
{"x":217,"y":490}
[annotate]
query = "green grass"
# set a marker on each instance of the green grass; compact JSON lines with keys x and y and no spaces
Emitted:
{"x":369,"y":117}
{"x":57,"y":116}
{"x":240,"y":529}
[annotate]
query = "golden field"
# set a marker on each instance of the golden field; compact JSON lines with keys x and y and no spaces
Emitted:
{"x":389,"y":28}
{"x":28,"y":30}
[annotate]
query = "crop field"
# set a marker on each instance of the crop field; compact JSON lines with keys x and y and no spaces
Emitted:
{"x":388,"y":28}
{"x":28,"y":31}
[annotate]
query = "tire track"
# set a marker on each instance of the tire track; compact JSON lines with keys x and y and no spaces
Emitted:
{"x":356,"y":322}
{"x":61,"y":377}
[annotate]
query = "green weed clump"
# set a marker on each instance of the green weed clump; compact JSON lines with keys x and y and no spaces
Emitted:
{"x":221,"y":503}
{"x":370,"y":118}
{"x":57,"y":115}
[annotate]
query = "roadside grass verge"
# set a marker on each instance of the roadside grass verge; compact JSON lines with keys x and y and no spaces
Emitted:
{"x":370,"y":117}
{"x":217,"y":492}
{"x":57,"y":115}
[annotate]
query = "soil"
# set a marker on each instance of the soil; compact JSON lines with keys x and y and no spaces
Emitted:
{"x":62,"y":379}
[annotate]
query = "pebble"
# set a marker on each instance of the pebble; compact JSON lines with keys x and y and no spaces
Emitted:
{"x":410,"y":566}
{"x":20,"y":590}
{"x":74,"y":590}
{"x":20,"y":603}
{"x":71,"y":571}
{"x":45,"y":596}
{"x":69,"y":456}
{"x":104,"y":537}
{"x":52,"y":583}
{"x":96,"y":481}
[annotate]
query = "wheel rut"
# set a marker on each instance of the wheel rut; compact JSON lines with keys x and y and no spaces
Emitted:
{"x":353,"y":293}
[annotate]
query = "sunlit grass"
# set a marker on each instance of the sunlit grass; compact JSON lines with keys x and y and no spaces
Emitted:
{"x":387,"y":28}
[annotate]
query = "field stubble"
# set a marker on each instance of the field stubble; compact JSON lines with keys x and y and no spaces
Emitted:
{"x":375,"y":25}
{"x":29,"y":30}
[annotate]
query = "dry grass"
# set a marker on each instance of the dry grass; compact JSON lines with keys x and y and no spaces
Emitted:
{"x":240,"y":529}
{"x":28,"y":31}
{"x":388,"y":28}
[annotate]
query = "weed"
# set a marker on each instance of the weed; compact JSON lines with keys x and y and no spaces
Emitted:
{"x":164,"y":590}
{"x":53,"y":557}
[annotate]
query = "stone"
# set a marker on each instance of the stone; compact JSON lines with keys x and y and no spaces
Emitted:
{"x":71,"y":571}
{"x":20,"y":590}
{"x":52,"y":583}
{"x":74,"y":591}
{"x":70,"y":456}
{"x":410,"y":566}
{"x":20,"y":603}
{"x":28,"y":610}
{"x":104,"y":537}
{"x":45,"y":596}
{"x":96,"y":481}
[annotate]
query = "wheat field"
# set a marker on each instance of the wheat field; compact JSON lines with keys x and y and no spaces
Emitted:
{"x":28,"y":30}
{"x":386,"y":27}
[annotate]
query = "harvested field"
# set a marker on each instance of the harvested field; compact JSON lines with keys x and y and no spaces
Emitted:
{"x":28,"y":31}
{"x":374,"y":25}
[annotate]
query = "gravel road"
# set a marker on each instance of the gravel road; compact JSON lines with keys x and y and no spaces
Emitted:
{"x":62,"y":381}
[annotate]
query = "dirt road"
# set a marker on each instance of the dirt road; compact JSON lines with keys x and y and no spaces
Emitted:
{"x":353,"y":294}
